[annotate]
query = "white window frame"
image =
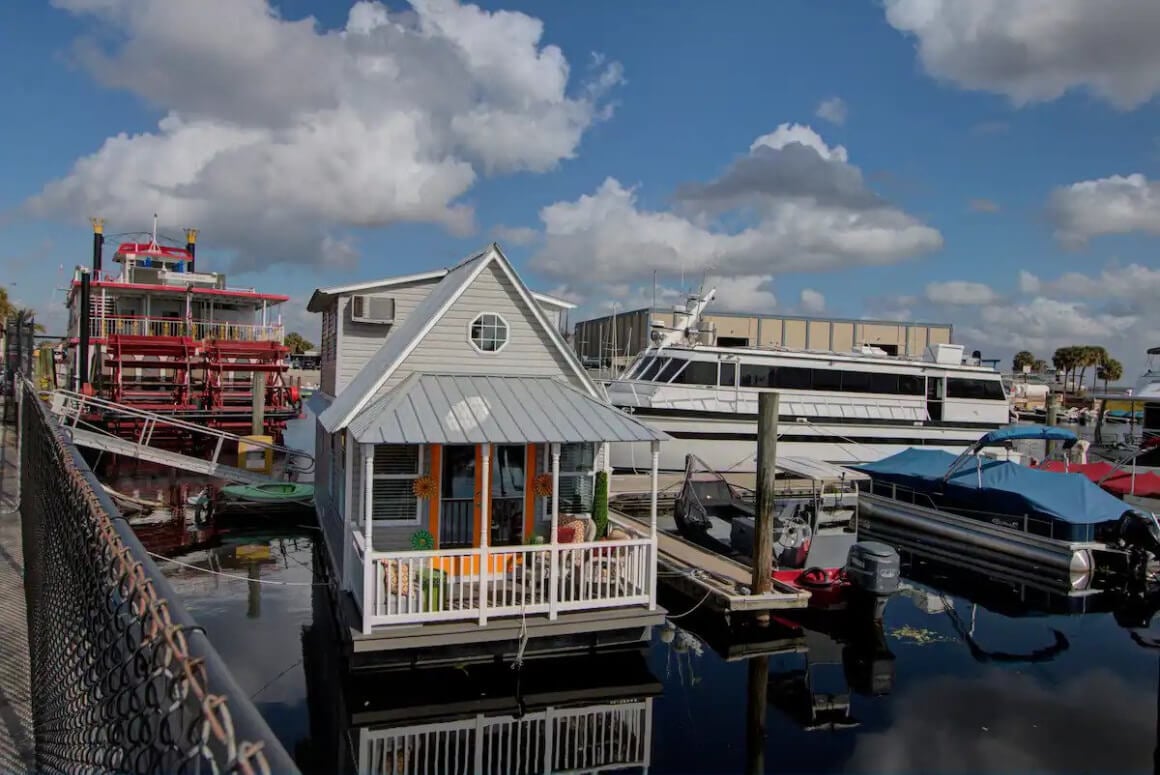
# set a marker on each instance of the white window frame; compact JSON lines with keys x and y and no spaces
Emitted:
{"x":545,"y":455}
{"x":420,"y":504}
{"x":506,"y":338}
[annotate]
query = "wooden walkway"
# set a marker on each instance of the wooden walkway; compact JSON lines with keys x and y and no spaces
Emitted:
{"x":720,"y":581}
{"x":15,"y":698}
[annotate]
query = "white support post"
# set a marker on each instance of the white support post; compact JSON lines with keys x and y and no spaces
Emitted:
{"x":484,"y":528}
{"x":652,"y":525}
{"x":370,"y":578}
{"x":554,"y":571}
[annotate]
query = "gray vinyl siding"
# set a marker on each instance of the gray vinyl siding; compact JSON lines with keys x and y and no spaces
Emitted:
{"x":359,"y":341}
{"x":446,"y":349}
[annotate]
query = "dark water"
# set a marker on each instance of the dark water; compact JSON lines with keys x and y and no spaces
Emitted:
{"x":942,"y":683}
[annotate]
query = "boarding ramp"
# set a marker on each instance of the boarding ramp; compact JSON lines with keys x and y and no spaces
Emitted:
{"x":85,"y":418}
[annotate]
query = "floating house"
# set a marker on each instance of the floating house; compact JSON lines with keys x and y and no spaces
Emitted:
{"x":459,"y":441}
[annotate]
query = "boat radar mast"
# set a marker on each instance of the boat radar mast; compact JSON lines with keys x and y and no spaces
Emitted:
{"x":686,"y":322}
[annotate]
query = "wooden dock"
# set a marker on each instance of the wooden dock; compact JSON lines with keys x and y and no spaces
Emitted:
{"x":720,"y":582}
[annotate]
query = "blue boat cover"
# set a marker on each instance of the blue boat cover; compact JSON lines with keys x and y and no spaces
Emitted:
{"x":1016,"y":432}
{"x":1007,"y":488}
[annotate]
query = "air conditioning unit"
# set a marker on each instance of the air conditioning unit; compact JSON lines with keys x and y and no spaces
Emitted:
{"x":372,"y":309}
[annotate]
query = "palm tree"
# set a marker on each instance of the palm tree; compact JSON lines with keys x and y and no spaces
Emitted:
{"x":1022,"y":358}
{"x":1089,"y":356}
{"x":1110,"y":370}
{"x":1066,"y":360}
{"x":6,"y":308}
{"x":1039,"y":366}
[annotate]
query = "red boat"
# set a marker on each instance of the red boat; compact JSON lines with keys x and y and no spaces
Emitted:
{"x":816,"y":545}
{"x":163,"y":336}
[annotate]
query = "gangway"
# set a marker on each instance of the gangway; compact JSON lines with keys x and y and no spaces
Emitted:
{"x":75,"y":411}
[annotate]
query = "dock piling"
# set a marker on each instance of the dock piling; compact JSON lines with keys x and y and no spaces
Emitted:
{"x":1052,"y":420}
{"x":258,"y":404}
{"x":767,"y":409}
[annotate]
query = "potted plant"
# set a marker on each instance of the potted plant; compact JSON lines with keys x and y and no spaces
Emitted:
{"x":431,"y":583}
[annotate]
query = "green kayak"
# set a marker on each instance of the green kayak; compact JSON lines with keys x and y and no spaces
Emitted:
{"x":272,"y":492}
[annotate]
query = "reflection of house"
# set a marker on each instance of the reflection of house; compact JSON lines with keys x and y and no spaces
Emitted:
{"x":578,"y":712}
{"x":457,"y":443}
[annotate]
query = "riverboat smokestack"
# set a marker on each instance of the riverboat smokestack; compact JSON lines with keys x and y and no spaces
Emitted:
{"x":191,"y":246}
{"x":98,"y":244}
{"x":82,"y":378}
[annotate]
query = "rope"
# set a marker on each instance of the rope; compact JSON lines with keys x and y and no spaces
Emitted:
{"x":274,"y":582}
{"x":523,"y":640}
{"x":694,"y":608}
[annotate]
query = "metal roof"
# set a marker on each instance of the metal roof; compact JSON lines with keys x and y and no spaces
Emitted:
{"x":478,"y":409}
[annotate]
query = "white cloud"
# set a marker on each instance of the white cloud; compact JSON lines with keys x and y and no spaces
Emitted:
{"x":792,"y":203}
{"x":1114,"y":205}
{"x":833,"y":110}
{"x":1036,"y":50}
{"x":514,"y":235}
{"x":960,"y":292}
{"x":1028,"y":283}
{"x":744,"y":294}
{"x":279,"y":135}
{"x":812,"y":302}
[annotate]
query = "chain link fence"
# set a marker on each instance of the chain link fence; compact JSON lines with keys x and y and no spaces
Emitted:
{"x":123,"y":680}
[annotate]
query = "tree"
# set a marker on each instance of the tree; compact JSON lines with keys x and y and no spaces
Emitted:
{"x":1110,"y":371}
{"x":1022,"y":358}
{"x":1065,"y":360}
{"x":297,"y":343}
{"x":1039,"y":366}
{"x":7,"y":309}
{"x":1089,"y":356}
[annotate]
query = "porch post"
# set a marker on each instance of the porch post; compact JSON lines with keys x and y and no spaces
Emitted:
{"x":484,"y":529}
{"x":370,"y":578}
{"x":652,"y":525}
{"x":554,"y":571}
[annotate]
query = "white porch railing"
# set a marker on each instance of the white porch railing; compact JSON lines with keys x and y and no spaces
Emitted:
{"x":474,"y":584}
{"x":590,"y":738}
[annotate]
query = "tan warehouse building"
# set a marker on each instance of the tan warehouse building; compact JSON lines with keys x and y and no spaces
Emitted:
{"x":625,"y":334}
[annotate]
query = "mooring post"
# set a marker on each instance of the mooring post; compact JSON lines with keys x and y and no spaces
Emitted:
{"x":258,"y":404}
{"x":767,"y":408}
{"x":1052,"y":417}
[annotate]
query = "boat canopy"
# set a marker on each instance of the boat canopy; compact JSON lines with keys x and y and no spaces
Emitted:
{"x":999,"y":486}
{"x":1020,"y":432}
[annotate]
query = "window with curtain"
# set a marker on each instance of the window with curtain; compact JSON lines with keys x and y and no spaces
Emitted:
{"x":577,"y":478}
{"x":396,"y":467}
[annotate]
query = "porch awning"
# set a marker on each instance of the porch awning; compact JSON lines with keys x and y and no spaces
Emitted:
{"x":469,"y":409}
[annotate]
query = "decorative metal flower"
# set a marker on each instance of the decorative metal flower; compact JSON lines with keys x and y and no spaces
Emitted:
{"x":543,"y":485}
{"x":422,"y":541}
{"x":424,"y":487}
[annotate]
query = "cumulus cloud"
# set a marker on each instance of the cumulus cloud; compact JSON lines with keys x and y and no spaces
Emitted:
{"x":514,"y":235}
{"x":1028,"y":283}
{"x":792,"y":203}
{"x":278,"y":135}
{"x":812,"y":302}
{"x":833,"y":110}
{"x":1036,"y":50}
{"x":1114,"y":205}
{"x":960,"y":292}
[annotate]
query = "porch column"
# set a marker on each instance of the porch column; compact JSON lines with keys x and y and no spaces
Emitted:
{"x":371,"y":585}
{"x":652,"y":525}
{"x":554,"y":571}
{"x":484,"y":528}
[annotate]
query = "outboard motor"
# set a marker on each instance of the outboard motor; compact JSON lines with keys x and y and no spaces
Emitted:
{"x":874,"y":568}
{"x":1140,"y":534}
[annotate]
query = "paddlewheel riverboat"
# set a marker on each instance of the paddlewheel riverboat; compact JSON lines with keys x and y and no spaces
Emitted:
{"x":162,"y":336}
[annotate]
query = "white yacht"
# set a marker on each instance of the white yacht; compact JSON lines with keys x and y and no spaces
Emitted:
{"x":838,"y":407}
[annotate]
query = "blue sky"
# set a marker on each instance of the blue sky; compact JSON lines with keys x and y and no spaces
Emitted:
{"x":973,"y":166}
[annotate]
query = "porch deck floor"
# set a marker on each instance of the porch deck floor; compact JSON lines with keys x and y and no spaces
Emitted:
{"x":504,"y":632}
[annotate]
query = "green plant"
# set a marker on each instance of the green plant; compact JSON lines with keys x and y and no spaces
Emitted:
{"x":431,"y":583}
{"x":600,"y":504}
{"x":422,"y":541}
{"x":536,"y":540}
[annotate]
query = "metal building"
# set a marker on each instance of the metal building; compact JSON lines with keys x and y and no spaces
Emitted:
{"x":621,"y":336}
